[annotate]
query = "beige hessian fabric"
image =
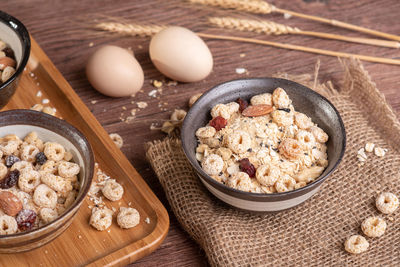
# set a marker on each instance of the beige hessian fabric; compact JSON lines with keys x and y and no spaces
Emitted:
{"x":313,"y":233}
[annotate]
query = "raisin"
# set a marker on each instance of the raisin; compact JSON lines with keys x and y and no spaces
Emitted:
{"x":10,"y":180}
{"x":41,"y":158}
{"x":243,"y":104}
{"x":10,"y":160}
{"x":218,"y":123}
{"x":285,"y":109}
{"x":9,"y":52}
{"x":26,"y":219}
{"x":247,"y":167}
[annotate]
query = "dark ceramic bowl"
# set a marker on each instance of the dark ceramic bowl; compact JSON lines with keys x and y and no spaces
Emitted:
{"x":49,"y":128}
{"x":14,"y":33}
{"x":304,"y":100}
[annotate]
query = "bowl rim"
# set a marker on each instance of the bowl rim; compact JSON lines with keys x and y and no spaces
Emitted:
{"x":19,"y":28}
{"x":262,"y":196}
{"x":47,"y":119}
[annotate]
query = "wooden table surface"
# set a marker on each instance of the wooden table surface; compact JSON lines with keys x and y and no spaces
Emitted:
{"x":64,"y":30}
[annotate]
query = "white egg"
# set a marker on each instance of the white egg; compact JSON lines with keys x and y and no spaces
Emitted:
{"x":114,"y":71}
{"x":181,"y":55}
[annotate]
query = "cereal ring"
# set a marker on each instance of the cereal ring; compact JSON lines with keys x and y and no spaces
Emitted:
{"x":306,"y":139}
{"x":117,"y":139}
{"x":265,"y":99}
{"x":29,"y":153}
{"x":112,"y":190}
{"x":49,"y":167}
{"x":280,"y":98}
{"x":302,"y":121}
{"x":373,"y":227}
{"x":282,"y":118}
{"x":68,"y":156}
{"x":9,"y":147}
{"x":8,"y":225}
{"x":128,"y":217}
{"x":54,"y":151}
{"x":45,"y":197}
{"x":356,"y":244}
{"x":178,"y":115}
{"x":21,"y":165}
{"x":101,"y":219}
{"x":267,"y":175}
{"x":387,"y":202}
{"x":233,"y":107}
{"x":57,"y":183}
{"x":212,"y":164}
{"x":206,"y":132}
{"x":68,"y":169}
{"x":28,"y":180}
{"x":3,"y":170}
{"x":240,"y":181}
{"x":49,"y":110}
{"x":221,"y":110}
{"x":48,"y":215}
{"x":285,"y":183}
{"x":319,"y":134}
{"x":224,"y":152}
{"x":70,"y":198}
{"x":290,"y":148}
{"x":194,"y":98}
{"x":33,"y":139}
{"x":239,"y":141}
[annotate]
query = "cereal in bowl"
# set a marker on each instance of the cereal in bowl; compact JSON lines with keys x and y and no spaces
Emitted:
{"x":264,"y":146}
{"x":37,"y":182}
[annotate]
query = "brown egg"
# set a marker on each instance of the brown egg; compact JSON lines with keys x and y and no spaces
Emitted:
{"x":180,"y":54}
{"x":113,"y":71}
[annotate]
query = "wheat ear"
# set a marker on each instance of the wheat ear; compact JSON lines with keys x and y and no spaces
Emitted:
{"x":262,"y":7}
{"x":148,"y":30}
{"x":270,"y":27}
{"x":130,"y":29}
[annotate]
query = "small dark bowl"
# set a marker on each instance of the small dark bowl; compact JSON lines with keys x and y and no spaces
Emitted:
{"x":14,"y":33}
{"x":21,"y":122}
{"x":304,"y":100}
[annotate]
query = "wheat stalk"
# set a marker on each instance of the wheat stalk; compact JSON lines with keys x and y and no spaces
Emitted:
{"x":130,"y":29}
{"x":270,"y":27}
{"x":262,"y":7}
{"x":149,"y":30}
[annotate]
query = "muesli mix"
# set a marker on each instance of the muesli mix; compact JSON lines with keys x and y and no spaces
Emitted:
{"x":38,"y":182}
{"x":7,"y":62}
{"x":264,"y":146}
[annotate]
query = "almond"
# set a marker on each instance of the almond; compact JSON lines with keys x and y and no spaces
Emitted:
{"x":257,"y":110}
{"x":6,"y":62}
{"x":10,"y":203}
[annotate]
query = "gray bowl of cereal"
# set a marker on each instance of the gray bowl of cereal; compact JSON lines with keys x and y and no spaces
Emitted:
{"x":263,"y":144}
{"x":46,"y":170}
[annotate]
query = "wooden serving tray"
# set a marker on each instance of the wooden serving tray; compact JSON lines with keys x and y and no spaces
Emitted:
{"x":81,"y":244}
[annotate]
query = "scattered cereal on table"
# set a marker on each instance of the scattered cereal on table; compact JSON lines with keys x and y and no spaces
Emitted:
{"x":117,"y":139}
{"x":356,"y":244}
{"x":142,"y":104}
{"x":194,"y":98}
{"x":45,"y":101}
{"x":157,"y":84}
{"x":147,"y":220}
{"x":37,"y":107}
{"x":373,"y":226}
{"x":369,"y":147}
{"x":242,"y":55}
{"x":241,"y":70}
{"x":101,"y":218}
{"x":93,"y":102}
{"x":39,"y":93}
{"x":387,"y":202}
{"x":128,"y":217}
{"x":380,"y":152}
{"x":178,"y":115}
{"x":361,"y":156}
{"x":112,"y":190}
{"x":153,"y":93}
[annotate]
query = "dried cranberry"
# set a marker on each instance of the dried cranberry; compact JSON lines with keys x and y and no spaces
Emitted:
{"x":10,"y":160}
{"x":26,"y":219}
{"x":247,"y":167}
{"x":243,"y":104}
{"x":218,"y":123}
{"x":41,"y":158}
{"x":10,"y":180}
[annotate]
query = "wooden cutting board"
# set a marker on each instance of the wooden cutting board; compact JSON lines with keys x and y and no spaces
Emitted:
{"x":81,"y":244}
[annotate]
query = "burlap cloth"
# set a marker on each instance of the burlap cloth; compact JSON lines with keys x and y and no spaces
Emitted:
{"x":313,"y":233}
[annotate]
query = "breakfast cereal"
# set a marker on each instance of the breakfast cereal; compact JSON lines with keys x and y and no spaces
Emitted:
{"x":101,"y":219}
{"x":373,"y":226}
{"x":356,"y":244}
{"x":112,"y":190}
{"x":262,"y":147}
{"x":36,"y":184}
{"x":387,"y":202}
{"x":128,"y":217}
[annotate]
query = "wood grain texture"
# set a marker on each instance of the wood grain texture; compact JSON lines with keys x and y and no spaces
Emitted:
{"x":62,"y":28}
{"x":82,"y":244}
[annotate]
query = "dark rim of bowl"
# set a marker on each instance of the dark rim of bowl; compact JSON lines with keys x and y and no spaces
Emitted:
{"x":254,"y":196}
{"x":43,"y":121}
{"x":24,"y":37}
